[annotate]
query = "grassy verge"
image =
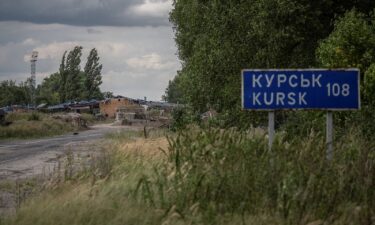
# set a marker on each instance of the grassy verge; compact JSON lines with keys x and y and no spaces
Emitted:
{"x":33,"y":125}
{"x":92,"y":120}
{"x":100,"y":192}
{"x":214,"y":177}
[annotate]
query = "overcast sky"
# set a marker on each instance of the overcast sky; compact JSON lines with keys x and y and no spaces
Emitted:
{"x":134,"y":39}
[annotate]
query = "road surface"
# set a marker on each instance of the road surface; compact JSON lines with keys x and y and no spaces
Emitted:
{"x":25,"y":158}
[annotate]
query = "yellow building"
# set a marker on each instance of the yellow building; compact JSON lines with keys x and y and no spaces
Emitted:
{"x":108,"y":107}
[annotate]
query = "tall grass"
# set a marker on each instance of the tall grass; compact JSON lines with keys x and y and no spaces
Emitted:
{"x":99,"y":193}
{"x":213,"y":176}
{"x":233,"y":172}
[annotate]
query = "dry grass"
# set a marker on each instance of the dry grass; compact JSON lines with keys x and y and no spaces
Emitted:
{"x":211,"y":177}
{"x":152,"y":148}
{"x":33,"y":125}
{"x":96,"y":199}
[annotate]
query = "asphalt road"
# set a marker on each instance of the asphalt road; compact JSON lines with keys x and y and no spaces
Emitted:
{"x":19,"y":159}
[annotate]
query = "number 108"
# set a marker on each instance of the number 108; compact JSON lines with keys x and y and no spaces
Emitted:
{"x":337,"y":90}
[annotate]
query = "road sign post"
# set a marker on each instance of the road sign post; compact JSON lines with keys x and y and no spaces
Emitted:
{"x":271,"y":128}
{"x":301,"y":89}
{"x":329,"y":135}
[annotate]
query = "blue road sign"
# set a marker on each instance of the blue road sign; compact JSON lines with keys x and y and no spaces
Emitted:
{"x":300,"y":89}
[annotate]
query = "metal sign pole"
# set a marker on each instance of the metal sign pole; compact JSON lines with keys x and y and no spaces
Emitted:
{"x":329,"y":135}
{"x":271,"y":128}
{"x":322,"y":89}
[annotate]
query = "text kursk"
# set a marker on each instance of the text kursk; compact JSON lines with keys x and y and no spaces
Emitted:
{"x":279,"y":80}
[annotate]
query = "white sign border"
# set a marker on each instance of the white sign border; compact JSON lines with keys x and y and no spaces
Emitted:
{"x":302,"y":109}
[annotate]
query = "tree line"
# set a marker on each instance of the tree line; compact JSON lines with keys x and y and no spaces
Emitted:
{"x":217,"y":38}
{"x":70,"y":83}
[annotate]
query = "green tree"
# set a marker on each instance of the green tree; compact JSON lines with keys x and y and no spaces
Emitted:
{"x":217,"y":38}
{"x":70,"y":77}
{"x":13,"y":94}
{"x":48,"y":91}
{"x":108,"y":94}
{"x":93,"y":77}
{"x":173,"y":93}
{"x":63,"y":79}
{"x":27,"y":90}
{"x":73,"y":85}
{"x":352,"y":44}
{"x":369,"y":85}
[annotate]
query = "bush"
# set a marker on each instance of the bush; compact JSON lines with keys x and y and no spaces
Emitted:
{"x":33,"y":125}
{"x":300,"y":124}
{"x":183,"y":116}
{"x":11,"y":117}
{"x":33,"y":117}
{"x":89,"y":118}
{"x":369,"y":85}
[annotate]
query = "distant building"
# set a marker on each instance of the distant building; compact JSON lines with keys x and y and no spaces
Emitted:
{"x":85,"y":107}
{"x":109,"y":107}
{"x":91,"y":106}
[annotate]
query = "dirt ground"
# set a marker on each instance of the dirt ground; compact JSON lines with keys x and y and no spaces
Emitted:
{"x":36,"y":167}
{"x":27,"y":158}
{"x":44,"y":163}
{"x":38,"y":159}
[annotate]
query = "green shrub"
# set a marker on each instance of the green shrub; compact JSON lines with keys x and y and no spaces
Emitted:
{"x":183,"y":116}
{"x":89,"y":118}
{"x":300,"y":124}
{"x":33,"y":126}
{"x":369,"y":85}
{"x":33,"y":117}
{"x":11,"y":117}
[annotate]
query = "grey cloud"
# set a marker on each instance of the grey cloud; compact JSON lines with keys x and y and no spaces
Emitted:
{"x":87,"y":12}
{"x":137,"y":61}
{"x":93,"y":31}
